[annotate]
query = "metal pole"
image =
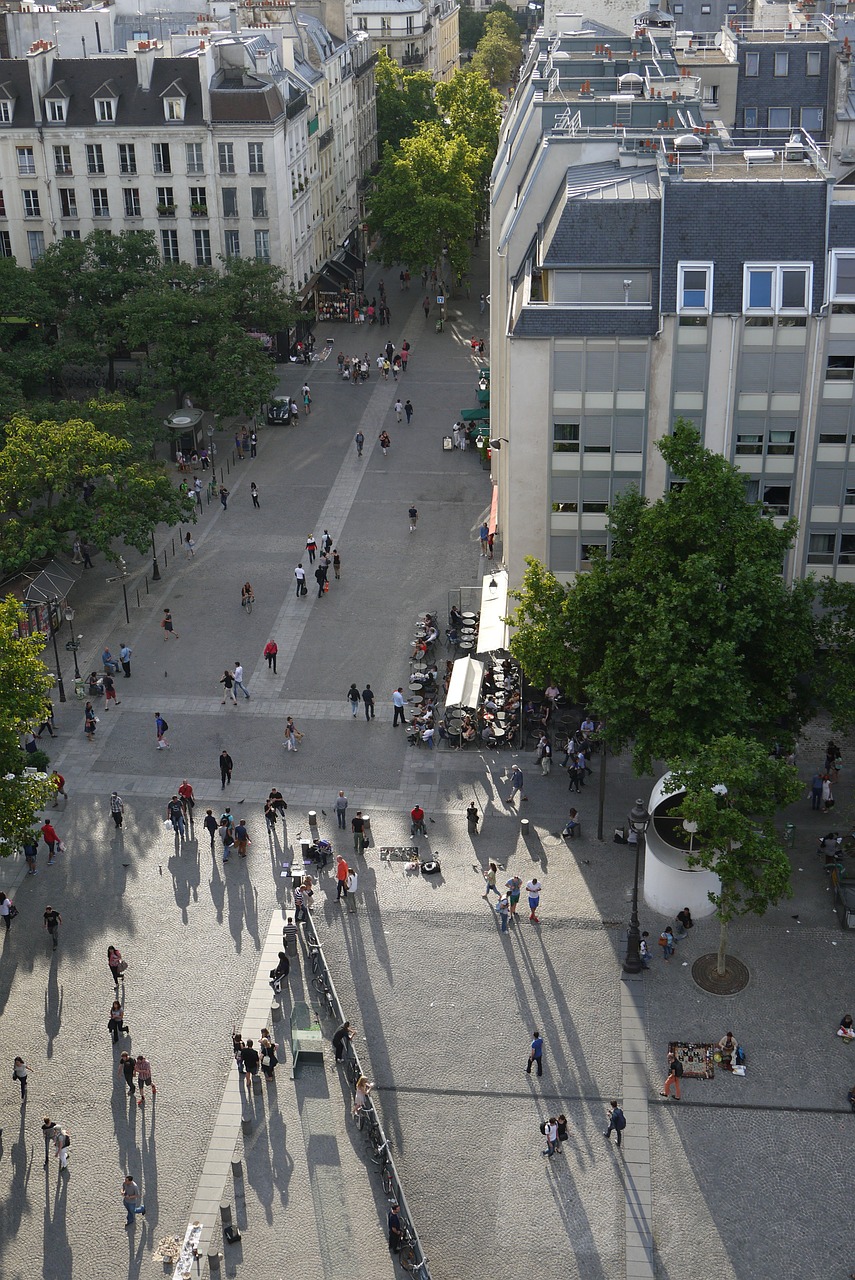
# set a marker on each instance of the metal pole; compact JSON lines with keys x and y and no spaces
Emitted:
{"x":155,"y":568}
{"x":60,"y":685}
{"x":74,"y":650}
{"x":632,"y":963}
{"x":604,"y":752}
{"x":125,"y":594}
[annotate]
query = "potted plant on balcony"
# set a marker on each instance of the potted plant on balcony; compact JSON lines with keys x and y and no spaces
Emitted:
{"x":199,"y":210}
{"x":166,"y":210}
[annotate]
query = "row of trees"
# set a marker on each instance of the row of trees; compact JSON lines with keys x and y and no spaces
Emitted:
{"x":68,"y":466}
{"x":437,"y":144}
{"x":696,"y":654}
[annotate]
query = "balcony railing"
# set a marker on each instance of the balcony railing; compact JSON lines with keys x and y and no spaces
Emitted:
{"x":365,"y":67}
{"x":326,"y":138}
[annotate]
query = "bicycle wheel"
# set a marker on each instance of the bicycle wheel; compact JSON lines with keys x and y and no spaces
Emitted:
{"x":320,"y":984}
{"x":249,"y":604}
{"x":351,"y":1070}
{"x":316,"y":957}
{"x":388,"y":1182}
{"x":407,"y":1257}
{"x":359,"y":1117}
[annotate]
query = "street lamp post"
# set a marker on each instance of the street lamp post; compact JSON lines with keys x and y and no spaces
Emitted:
{"x":155,"y":568}
{"x":74,"y":643}
{"x":59,"y":682}
{"x":639,"y":820}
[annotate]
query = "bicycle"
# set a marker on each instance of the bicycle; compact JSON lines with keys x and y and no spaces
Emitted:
{"x":248,"y":602}
{"x":408,"y":1260}
{"x":320,"y":984}
{"x":315,"y":953}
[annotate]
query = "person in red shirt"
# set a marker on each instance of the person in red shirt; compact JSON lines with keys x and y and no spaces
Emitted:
{"x":270,"y":651}
{"x":188,"y":800}
{"x":417,"y":820}
{"x":51,"y":839}
{"x":341,"y":878}
{"x":59,"y":782}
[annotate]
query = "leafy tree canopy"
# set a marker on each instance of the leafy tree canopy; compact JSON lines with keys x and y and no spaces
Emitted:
{"x":470,"y":108}
{"x":685,"y":630}
{"x":471,"y":27}
{"x":497,"y":56}
{"x":404,"y":100}
{"x":26,"y":683}
{"x":424,"y":198}
{"x":733,"y":789}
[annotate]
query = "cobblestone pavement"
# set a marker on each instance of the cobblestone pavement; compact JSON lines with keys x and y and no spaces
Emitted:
{"x":445,"y":1004}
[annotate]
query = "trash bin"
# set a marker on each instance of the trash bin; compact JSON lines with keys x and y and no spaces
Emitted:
{"x":447,"y":443}
{"x":790,"y":834}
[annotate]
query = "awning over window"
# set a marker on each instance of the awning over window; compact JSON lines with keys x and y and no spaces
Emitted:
{"x":492,"y":629}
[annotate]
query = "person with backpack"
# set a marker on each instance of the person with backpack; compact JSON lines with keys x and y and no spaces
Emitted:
{"x":617,"y":1121}
{"x":675,"y":1075}
{"x":666,"y":942}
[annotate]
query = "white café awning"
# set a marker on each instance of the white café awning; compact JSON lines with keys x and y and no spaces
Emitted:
{"x":492,"y":629}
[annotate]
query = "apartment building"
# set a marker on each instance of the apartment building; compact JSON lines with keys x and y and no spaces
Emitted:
{"x":238,"y":144}
{"x":647,"y":265}
{"x":419,"y":37}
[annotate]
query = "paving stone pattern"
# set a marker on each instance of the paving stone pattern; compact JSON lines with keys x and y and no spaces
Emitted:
{"x":444,"y":1003}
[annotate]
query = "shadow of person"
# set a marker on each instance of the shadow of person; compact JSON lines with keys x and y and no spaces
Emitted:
{"x":54,"y":995}
{"x":58,"y":1262}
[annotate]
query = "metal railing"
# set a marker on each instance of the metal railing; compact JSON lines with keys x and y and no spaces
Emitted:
{"x":371,"y":1119}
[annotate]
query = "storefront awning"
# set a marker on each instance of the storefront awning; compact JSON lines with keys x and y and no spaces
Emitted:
{"x":339,"y":271}
{"x":464,"y":687}
{"x":350,"y":260}
{"x":492,"y":629}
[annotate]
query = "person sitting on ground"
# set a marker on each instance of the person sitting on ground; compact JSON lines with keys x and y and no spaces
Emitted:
{"x":684,"y":923}
{"x":846,"y":1030}
{"x":728,"y":1047}
{"x":572,"y":823}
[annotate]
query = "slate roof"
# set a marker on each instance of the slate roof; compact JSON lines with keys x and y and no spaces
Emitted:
{"x":87,"y":78}
{"x":607,"y":184}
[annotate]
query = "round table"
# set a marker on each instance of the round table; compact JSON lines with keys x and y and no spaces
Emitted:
{"x":469,"y":617}
{"x":466,"y":644}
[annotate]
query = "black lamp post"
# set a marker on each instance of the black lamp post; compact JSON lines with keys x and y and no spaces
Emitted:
{"x":155,"y":568}
{"x":73,"y":644}
{"x":54,"y":604}
{"x":639,"y":821}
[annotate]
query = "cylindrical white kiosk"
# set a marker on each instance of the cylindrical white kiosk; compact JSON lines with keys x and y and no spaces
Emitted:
{"x":669,"y":883}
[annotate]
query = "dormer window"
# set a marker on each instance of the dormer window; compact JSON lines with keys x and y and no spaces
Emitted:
{"x":7,"y":104}
{"x":56,"y":103}
{"x":106,"y":102}
{"x":174,"y":101}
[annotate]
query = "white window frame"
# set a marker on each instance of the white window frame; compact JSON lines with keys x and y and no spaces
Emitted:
{"x":813,"y":59}
{"x":173,"y":109}
{"x":781,"y":127}
{"x":752,"y":59}
{"x":682,"y":268}
{"x":105,"y":110}
{"x":777,"y":269}
{"x":781,"y":58}
{"x":56,"y":110}
{"x":6,"y":113}
{"x":820,"y":127}
{"x":836,"y":255}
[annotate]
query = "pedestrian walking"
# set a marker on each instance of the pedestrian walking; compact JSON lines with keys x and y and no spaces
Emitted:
{"x":816,"y":791}
{"x":504,"y":911}
{"x":675,"y":1075}
{"x":227,"y":680}
{"x":117,"y":966}
{"x":483,"y":534}
{"x":250,"y":1060}
{"x":473,"y":817}
{"x":533,"y":889}
{"x":516,"y":781}
{"x":6,"y":910}
{"x":268,"y":1051}
{"x":353,"y":696}
{"x":242,"y":839}
{"x":253,"y":493}
{"x":300,"y":576}
{"x":227,"y":838}
{"x":226,"y":766}
{"x":209,"y":822}
{"x":385,"y":442}
{"x":31,"y":853}
{"x":51,"y":839}
{"x":47,"y":722}
{"x":666,"y":942}
{"x":340,"y":810}
{"x":341,"y":872}
{"x":617,"y":1121}
{"x":168,"y":626}
{"x":175,"y":815}
{"x":321,"y":579}
{"x":544,"y":752}
{"x":359,"y":441}
{"x":126,"y":1069}
{"x":413,"y":513}
{"x":644,"y":950}
{"x":417,"y":820}
{"x":399,"y":413}
{"x":90,"y":722}
{"x":239,"y":446}
{"x":52,"y":921}
{"x":535,"y":1056}
{"x":292,"y":734}
{"x":188,"y":800}
{"x":368,"y":700}
{"x":352,"y":885}
{"x":827,"y":793}
{"x":426,"y":307}
{"x":311,"y":548}
{"x":490,"y":881}
{"x":20,"y":1072}
{"x":326,"y":542}
{"x":490,"y":539}
{"x":307,"y":398}
{"x":59,"y":782}
{"x":131,"y":1198}
{"x":61,"y":1145}
{"x":189,"y":545}
{"x":398,"y":702}
{"x":336,"y":562}
{"x":549,"y":1129}
{"x":117,"y":809}
{"x":48,"y":1133}
{"x":238,"y":675}
{"x":357,"y":827}
{"x":408,"y":410}
{"x":116,"y":1021}
{"x":142,"y":1071}
{"x":270,"y":651}
{"x":197,"y":492}
{"x":125,"y":659}
{"x":482,"y":303}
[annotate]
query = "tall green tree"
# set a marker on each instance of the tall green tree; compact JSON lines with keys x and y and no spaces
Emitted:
{"x":425,"y":198}
{"x":835,"y":685}
{"x":470,"y":27}
{"x":404,"y":100}
{"x":43,"y":467}
{"x":498,"y":54}
{"x":685,"y":628}
{"x":469,"y":108}
{"x":733,"y":789}
{"x":26,"y":684}
{"x":255,"y":295}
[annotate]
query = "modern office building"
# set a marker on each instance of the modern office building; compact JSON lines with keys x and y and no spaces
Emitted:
{"x":648,"y":264}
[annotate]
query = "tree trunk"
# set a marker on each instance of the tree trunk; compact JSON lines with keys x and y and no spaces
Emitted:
{"x":722,"y":949}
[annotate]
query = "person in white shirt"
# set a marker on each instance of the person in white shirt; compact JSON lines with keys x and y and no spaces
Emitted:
{"x":238,"y":679}
{"x":352,"y":885}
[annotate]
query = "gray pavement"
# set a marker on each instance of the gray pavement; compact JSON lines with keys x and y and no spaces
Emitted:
{"x":444,"y":1003}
